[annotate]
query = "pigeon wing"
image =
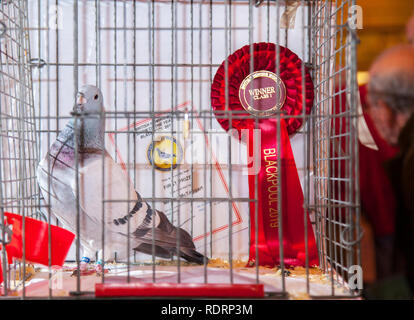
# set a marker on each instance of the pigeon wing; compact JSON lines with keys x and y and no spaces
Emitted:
{"x":104,"y":185}
{"x":106,"y":194}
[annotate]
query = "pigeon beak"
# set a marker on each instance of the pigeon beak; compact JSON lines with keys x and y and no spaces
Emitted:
{"x":80,"y":100}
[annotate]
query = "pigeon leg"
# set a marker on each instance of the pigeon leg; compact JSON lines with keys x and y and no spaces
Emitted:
{"x":99,"y":266}
{"x":84,"y":264}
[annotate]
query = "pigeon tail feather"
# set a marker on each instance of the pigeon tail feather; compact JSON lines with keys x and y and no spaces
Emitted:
{"x":147,"y":249}
{"x":192,"y":255}
{"x":165,"y":237}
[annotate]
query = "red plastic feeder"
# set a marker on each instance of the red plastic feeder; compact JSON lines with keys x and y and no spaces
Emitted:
{"x":36,"y":237}
{"x":196,"y":290}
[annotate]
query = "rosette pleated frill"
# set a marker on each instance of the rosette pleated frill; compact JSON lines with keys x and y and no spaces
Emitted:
{"x":282,"y":95}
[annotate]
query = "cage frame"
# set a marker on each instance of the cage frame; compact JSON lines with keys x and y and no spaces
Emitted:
{"x":326,"y":209}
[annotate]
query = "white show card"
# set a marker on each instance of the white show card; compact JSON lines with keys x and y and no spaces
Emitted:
{"x":184,"y":192}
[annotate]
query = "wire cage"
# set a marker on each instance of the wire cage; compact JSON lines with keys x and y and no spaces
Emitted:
{"x":155,"y":62}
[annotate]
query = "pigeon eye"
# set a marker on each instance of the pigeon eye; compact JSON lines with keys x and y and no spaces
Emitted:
{"x":96,"y":97}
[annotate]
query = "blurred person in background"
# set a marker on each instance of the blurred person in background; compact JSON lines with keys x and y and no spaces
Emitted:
{"x":378,"y":203}
{"x":391,"y":107}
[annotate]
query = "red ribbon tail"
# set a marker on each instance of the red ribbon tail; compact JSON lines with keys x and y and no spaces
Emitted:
{"x":296,"y":247}
{"x":258,"y":247}
{"x":272,"y":172}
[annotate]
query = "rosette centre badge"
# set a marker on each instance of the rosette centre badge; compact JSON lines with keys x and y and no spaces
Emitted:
{"x":262,"y":93}
{"x":165,"y":153}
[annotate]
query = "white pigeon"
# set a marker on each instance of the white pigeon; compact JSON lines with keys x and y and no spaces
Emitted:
{"x":103,"y":198}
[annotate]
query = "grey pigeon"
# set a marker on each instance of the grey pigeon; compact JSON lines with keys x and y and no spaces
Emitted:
{"x":56,"y":176}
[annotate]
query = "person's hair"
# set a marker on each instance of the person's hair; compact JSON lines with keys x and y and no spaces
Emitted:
{"x":396,"y":90}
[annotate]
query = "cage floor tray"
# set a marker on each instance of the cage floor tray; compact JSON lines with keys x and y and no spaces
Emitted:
{"x":63,"y":282}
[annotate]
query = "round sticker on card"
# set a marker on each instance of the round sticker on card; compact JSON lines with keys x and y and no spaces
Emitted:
{"x":165,"y":153}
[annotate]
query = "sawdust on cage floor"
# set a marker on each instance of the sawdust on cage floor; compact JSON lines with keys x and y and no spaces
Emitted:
{"x":242,"y":264}
{"x":17,"y":276}
{"x":29,"y":271}
{"x":315,"y":274}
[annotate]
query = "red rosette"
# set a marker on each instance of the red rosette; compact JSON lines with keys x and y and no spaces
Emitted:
{"x":264,"y":58}
{"x":255,"y":95}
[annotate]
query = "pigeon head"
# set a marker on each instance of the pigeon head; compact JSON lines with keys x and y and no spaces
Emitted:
{"x":89,"y":99}
{"x":91,"y":122}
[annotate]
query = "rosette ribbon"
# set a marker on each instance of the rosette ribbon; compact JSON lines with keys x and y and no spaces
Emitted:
{"x":255,"y":95}
{"x":36,"y":241}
